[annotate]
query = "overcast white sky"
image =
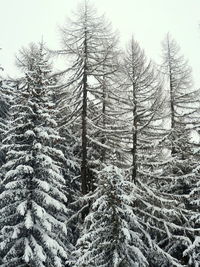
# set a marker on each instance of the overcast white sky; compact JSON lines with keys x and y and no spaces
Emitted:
{"x":24,"y":21}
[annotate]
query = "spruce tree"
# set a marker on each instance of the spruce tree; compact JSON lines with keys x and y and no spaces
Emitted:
{"x":7,"y":90}
{"x":129,"y":225}
{"x":33,"y":200}
{"x":112,"y":234}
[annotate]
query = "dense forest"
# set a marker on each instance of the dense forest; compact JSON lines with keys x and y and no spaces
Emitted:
{"x":99,"y":162}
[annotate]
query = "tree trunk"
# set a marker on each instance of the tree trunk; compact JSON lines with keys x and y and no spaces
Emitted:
{"x":134,"y":147}
{"x":103,"y":154}
{"x":84,"y":178}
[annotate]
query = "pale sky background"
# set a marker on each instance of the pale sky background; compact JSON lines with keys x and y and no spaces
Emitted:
{"x":24,"y":21}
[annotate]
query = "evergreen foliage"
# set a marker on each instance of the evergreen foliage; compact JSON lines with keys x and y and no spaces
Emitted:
{"x":7,"y":90}
{"x":112,"y":234}
{"x":33,"y":200}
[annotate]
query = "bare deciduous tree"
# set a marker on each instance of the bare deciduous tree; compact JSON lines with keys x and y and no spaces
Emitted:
{"x":142,"y":89}
{"x":89,"y":43}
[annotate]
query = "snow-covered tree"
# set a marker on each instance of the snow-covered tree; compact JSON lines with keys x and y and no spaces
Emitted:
{"x":69,"y":145}
{"x":112,"y":234}
{"x":33,"y":200}
{"x":130,"y":225}
{"x":7,"y":89}
{"x":6,"y":96}
{"x":5,"y":100}
{"x":193,"y":201}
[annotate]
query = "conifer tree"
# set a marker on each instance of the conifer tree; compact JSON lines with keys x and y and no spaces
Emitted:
{"x":5,"y":102}
{"x":130,"y":225}
{"x":142,"y":93}
{"x":183,"y":103}
{"x":112,"y":233}
{"x":33,"y":200}
{"x":70,"y":147}
{"x":89,"y":43}
{"x":7,"y":89}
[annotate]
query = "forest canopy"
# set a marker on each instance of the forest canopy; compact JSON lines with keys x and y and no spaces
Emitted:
{"x":99,"y":161}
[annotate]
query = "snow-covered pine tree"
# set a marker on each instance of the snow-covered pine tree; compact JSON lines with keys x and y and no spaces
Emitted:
{"x":112,"y":234}
{"x":33,"y":201}
{"x":129,"y":225}
{"x":6,"y":95}
{"x":192,"y":251}
{"x":193,"y":201}
{"x":69,"y":145}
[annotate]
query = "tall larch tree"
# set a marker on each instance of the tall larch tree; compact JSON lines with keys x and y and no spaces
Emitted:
{"x":183,"y":102}
{"x":88,"y":43}
{"x":181,"y":168}
{"x":141,"y":90}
